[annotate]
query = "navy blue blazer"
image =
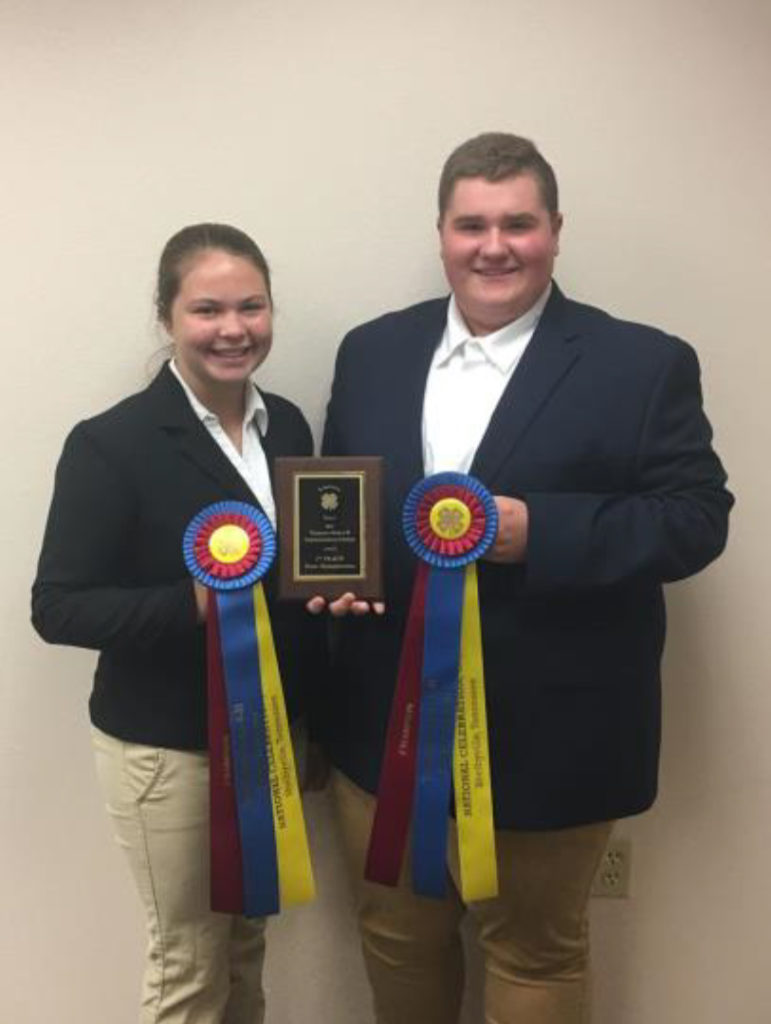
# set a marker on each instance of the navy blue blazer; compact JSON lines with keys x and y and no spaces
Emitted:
{"x":601,"y":432}
{"x":111,"y":574}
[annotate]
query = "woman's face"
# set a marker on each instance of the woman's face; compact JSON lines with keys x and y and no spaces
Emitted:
{"x":221,"y":321}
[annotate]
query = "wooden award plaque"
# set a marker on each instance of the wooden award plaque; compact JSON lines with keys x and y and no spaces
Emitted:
{"x":329,"y":529}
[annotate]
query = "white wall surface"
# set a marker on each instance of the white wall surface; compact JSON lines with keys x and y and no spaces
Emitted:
{"x":321,"y":129}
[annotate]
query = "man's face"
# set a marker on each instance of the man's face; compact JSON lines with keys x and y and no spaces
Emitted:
{"x":498,"y":244}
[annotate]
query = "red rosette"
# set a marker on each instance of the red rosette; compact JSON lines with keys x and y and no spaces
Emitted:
{"x":227,"y":570}
{"x":459,"y":546}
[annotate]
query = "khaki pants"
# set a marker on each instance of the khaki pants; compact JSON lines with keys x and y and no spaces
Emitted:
{"x":534,"y":935}
{"x":202,"y":967}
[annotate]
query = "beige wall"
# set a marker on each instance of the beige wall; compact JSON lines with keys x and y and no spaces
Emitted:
{"x":321,"y":128}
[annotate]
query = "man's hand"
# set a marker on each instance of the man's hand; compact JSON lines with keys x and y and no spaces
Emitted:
{"x":511,"y":540}
{"x":348,"y":604}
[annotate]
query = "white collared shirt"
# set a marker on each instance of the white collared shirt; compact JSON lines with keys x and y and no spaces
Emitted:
{"x":250,"y":462}
{"x":467,"y":377}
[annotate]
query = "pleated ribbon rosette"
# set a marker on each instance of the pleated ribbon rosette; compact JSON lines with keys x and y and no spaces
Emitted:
{"x":260,"y":861}
{"x":437,"y":738}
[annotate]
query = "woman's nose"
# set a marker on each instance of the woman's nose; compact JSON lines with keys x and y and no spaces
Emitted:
{"x":232,"y":325}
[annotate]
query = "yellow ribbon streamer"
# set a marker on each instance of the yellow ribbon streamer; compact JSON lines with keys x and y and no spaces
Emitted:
{"x":295,"y":874}
{"x":471,"y":759}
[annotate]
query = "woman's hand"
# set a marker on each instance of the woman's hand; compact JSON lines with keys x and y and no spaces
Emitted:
{"x":201,"y":600}
{"x":347,"y":604}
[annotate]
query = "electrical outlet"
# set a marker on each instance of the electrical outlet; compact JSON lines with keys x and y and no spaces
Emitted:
{"x":615,"y":870}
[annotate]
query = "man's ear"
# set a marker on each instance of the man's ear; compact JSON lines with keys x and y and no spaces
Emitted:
{"x":556,"y":226}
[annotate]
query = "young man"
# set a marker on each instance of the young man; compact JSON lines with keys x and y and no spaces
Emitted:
{"x":590,"y":433}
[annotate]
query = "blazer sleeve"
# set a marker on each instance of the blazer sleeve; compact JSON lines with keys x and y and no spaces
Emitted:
{"x":332,"y":442}
{"x":83,"y":595}
{"x":669,"y":523}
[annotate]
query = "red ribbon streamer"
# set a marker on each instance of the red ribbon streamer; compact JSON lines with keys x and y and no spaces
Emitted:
{"x":397,"y":776}
{"x":226,"y":867}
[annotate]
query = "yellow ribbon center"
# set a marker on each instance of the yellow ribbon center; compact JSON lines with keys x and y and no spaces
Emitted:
{"x":229,"y":544}
{"x":450,"y":518}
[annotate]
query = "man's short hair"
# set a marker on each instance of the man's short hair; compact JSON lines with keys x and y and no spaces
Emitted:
{"x":495,"y":156}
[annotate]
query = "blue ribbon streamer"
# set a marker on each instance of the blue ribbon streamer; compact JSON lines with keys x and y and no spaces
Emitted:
{"x":246,"y":717}
{"x":436,"y":734}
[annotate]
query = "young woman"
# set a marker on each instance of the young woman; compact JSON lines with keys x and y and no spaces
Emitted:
{"x":111,"y":577}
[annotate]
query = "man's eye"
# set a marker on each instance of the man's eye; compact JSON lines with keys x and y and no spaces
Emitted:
{"x":205,"y":310}
{"x":470,"y":227}
{"x":253,"y":307}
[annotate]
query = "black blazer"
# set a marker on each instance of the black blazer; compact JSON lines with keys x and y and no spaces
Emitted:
{"x":111,"y":574}
{"x":601,"y":432}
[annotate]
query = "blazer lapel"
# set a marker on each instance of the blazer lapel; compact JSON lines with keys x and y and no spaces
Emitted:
{"x":545,"y":362}
{"x":191,"y":438}
{"x":407,"y":427}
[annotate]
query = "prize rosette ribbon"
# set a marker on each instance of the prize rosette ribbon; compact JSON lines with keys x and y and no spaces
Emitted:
{"x":260,"y":860}
{"x":437,"y":734}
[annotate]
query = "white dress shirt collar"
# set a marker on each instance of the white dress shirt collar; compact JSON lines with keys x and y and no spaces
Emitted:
{"x":501,"y":347}
{"x":255,"y":411}
{"x":250,"y":461}
{"x":467,"y":378}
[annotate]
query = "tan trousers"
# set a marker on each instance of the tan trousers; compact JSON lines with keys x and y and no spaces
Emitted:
{"x":202,"y":968}
{"x":534,"y":935}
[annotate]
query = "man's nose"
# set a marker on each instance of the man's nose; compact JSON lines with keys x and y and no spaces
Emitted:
{"x":493,"y":243}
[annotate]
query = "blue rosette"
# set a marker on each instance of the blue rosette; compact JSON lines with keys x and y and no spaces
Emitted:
{"x":229,"y":545}
{"x":449,"y":520}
